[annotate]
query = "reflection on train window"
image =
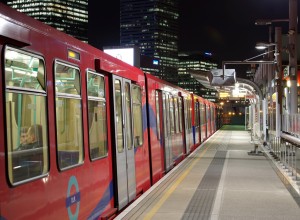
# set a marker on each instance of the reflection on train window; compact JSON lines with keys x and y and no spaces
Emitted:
{"x":119,"y":116}
{"x":137,"y":115}
{"x":68,"y":116}
{"x":97,"y":116}
{"x":24,"y":71}
{"x":157,"y":114}
{"x":27,"y":140}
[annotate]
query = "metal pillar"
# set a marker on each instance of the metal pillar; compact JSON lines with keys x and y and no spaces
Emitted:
{"x":293,"y":55}
{"x":279,"y":72}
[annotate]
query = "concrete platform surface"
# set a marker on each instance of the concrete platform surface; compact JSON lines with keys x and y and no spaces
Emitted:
{"x":220,"y":181}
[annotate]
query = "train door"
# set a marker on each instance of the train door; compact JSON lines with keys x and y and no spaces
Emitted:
{"x":212,"y":119}
{"x":160,"y":123}
{"x":125,"y":161}
{"x":167,"y":131}
{"x":188,"y":126}
{"x":185,"y":121}
{"x":197,"y":123}
{"x":208,"y":120}
{"x":181,"y":122}
{"x":202,"y":122}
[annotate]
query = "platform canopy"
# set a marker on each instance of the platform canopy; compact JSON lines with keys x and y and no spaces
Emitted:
{"x":215,"y":78}
{"x":220,"y":77}
{"x":226,"y":83}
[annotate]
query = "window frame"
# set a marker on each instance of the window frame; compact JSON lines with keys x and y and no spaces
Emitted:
{"x":33,"y":92}
{"x":68,"y":96}
{"x":98,"y":99}
{"x":141,"y":110}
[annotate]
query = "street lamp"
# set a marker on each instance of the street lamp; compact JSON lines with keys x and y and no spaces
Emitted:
{"x":270,"y":70}
{"x":292,"y":48}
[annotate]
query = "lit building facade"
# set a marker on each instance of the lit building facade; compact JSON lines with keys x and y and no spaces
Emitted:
{"x":69,"y":16}
{"x":193,"y":63}
{"x":153,"y":26}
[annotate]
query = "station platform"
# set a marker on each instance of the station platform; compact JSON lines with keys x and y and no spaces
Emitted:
{"x":220,"y":180}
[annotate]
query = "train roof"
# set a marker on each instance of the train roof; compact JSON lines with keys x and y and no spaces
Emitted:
{"x":164,"y":82}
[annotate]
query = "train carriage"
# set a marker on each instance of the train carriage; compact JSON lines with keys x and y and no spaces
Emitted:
{"x":211,"y":117}
{"x":203,"y":120}
{"x":84,"y":134}
{"x":168,"y":119}
{"x":65,"y":89}
{"x":130,"y":134}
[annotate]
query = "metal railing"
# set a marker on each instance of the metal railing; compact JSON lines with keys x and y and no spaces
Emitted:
{"x":286,"y":148}
{"x":291,"y":124}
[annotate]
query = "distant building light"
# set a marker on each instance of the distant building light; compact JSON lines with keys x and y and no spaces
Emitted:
{"x":155,"y":62}
{"x":208,"y":53}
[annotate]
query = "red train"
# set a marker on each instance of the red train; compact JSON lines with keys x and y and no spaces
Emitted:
{"x":82,"y":133}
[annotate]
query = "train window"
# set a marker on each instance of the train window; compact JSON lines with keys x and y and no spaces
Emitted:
{"x":180,"y":113}
{"x":97,"y":116}
{"x":26,"y":118}
{"x":176,"y":115}
{"x":68,"y":115}
{"x":157,"y":114}
{"x":24,"y":71}
{"x":202,"y":114}
{"x":128,"y":116}
{"x":166,"y":113}
{"x":119,"y":116}
{"x":137,"y":115}
{"x":190,"y":113}
{"x":196,"y":114}
{"x":207,"y":113}
{"x":171,"y":115}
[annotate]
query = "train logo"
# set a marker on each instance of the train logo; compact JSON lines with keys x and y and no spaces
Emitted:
{"x":73,"y":199}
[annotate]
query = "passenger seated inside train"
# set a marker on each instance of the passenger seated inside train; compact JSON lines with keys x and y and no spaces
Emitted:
{"x":23,"y":137}
{"x":27,"y":161}
{"x":34,"y":138}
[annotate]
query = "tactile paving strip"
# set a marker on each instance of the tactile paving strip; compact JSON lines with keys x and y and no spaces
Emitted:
{"x":201,"y":204}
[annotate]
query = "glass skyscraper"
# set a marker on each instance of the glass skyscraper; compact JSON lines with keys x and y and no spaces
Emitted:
{"x":69,"y":16}
{"x":152,"y":25}
{"x":195,"y":63}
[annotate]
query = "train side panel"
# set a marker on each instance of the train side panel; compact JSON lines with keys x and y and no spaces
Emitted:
{"x":166,"y":126}
{"x":70,"y":175}
{"x":103,"y":131}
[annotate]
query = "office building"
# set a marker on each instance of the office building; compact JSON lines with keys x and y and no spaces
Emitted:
{"x":68,"y":16}
{"x":193,"y":63}
{"x":153,"y":26}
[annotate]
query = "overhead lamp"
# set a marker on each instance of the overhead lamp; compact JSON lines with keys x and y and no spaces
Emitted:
{"x":269,"y":21}
{"x":263,"y":22}
{"x":263,"y":46}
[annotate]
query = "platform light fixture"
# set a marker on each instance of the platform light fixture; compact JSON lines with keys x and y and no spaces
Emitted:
{"x":269,"y":21}
{"x":263,"y":45}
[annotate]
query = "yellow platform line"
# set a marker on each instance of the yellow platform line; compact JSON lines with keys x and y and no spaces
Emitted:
{"x":169,"y":192}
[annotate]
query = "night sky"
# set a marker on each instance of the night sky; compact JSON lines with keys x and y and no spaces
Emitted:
{"x":224,"y":27}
